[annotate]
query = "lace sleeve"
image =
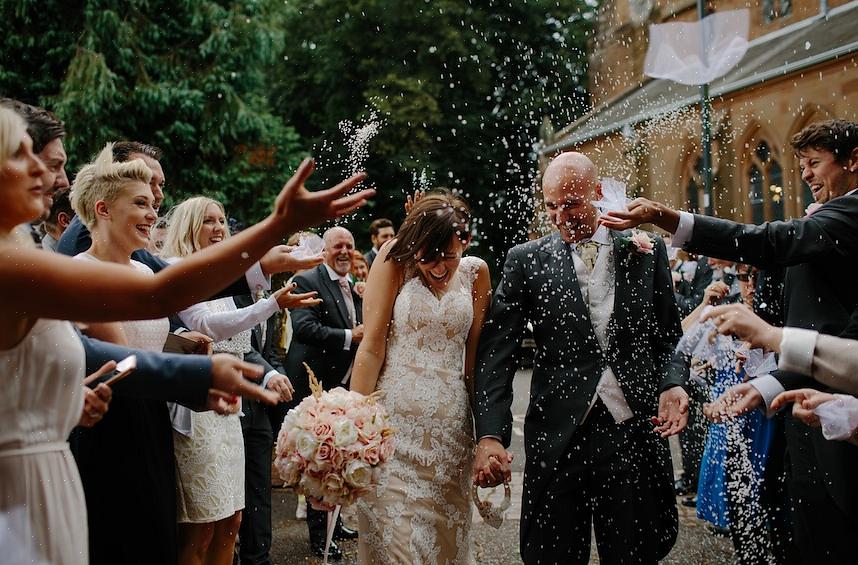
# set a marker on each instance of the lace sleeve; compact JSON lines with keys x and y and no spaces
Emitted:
{"x":470,"y":266}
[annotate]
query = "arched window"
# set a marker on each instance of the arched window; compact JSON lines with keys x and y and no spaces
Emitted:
{"x":765,"y":184}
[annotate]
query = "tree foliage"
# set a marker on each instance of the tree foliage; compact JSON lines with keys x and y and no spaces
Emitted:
{"x":190,"y":76}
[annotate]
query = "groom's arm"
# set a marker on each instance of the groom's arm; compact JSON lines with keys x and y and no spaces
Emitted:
{"x":670,"y":366}
{"x":496,"y":355}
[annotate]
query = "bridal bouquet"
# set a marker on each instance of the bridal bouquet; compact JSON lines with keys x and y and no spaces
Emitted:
{"x":333,"y":446}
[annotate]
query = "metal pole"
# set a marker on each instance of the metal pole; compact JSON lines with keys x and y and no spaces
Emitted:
{"x":706,"y":127}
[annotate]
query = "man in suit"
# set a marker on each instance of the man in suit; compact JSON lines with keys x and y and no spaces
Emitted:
{"x":605,"y":323}
{"x":820,"y":253}
{"x":380,"y":231}
{"x":326,"y":338}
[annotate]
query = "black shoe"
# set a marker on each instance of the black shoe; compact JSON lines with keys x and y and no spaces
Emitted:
{"x":690,"y":502}
{"x":334,"y":551}
{"x":344,"y":533}
{"x":680,"y":487}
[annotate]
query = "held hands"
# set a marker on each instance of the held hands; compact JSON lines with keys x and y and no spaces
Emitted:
{"x":740,"y":321}
{"x":286,"y":300}
{"x":491,"y":463}
{"x":297,"y":208}
{"x":672,"y":412}
{"x":804,"y":400}
{"x":230,"y":380}
{"x":737,"y":400}
{"x":282,"y":386}
{"x":642,"y":211}
{"x":279,"y":259}
{"x":96,"y":401}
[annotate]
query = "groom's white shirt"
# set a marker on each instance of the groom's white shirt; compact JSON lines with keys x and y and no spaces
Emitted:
{"x":598,"y":291}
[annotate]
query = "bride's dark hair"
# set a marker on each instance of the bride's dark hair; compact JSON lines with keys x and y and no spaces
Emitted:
{"x":434,"y":221}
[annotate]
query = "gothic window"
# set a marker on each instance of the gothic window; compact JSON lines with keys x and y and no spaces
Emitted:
{"x":774,"y":9}
{"x":765,"y":185}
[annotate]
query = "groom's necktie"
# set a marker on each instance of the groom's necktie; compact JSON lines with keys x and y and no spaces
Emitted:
{"x":588,"y":251}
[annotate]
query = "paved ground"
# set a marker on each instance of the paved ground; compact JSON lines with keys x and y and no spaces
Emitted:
{"x":499,"y":547}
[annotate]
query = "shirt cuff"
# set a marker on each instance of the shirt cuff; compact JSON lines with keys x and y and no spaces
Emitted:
{"x":797,"y":346}
{"x":180,"y":330}
{"x":256,"y":280}
{"x":768,"y":387}
{"x":267,"y":378}
{"x":493,"y":437}
{"x":683,"y":230}
{"x":347,"y":346}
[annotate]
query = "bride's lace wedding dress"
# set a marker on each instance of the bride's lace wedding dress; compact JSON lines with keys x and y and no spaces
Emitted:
{"x":421,"y":511}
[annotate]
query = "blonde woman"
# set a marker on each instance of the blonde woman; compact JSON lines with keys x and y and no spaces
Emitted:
{"x":42,"y":360}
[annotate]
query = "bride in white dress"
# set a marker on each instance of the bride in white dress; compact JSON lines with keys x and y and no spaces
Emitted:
{"x":424,"y":308}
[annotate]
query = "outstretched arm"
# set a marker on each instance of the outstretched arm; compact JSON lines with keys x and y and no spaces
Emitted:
{"x":103,"y":292}
{"x":385,"y":280}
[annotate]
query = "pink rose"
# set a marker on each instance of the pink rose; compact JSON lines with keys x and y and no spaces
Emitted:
{"x":643,"y":243}
{"x":371,"y":454}
{"x":323,"y":453}
{"x":323,"y":430}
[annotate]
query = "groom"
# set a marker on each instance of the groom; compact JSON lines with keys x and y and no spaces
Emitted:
{"x":605,"y":322}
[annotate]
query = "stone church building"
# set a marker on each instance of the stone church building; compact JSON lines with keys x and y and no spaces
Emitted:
{"x":801,"y":66}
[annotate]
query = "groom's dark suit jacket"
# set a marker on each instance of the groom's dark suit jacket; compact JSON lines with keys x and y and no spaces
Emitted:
{"x":540,"y":285}
{"x":318,"y":333}
{"x":820,"y":253}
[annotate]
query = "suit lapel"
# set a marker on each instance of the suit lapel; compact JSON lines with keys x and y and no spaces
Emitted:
{"x":561,"y":268}
{"x":336,"y":295}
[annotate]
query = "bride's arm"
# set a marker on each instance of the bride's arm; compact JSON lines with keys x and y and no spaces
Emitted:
{"x":482,"y":294}
{"x":382,"y":287}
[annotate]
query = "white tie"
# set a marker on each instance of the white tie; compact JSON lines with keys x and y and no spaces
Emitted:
{"x":347,"y":296}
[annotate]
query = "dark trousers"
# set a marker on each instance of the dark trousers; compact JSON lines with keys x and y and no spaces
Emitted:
{"x":824,"y":531}
{"x":615,"y":477}
{"x":255,"y":531}
{"x":693,"y":438}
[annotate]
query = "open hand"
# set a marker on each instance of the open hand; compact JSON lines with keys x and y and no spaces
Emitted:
{"x":279,"y":259}
{"x":410,"y":201}
{"x":491,"y":463}
{"x":737,"y":400}
{"x":740,"y":321}
{"x":642,"y":211}
{"x":230,"y":380}
{"x":804,"y":400}
{"x":285,"y":299}
{"x":672,"y":412}
{"x":297,"y":208}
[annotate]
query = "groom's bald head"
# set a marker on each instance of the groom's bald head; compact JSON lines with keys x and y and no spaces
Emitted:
{"x":569,"y":184}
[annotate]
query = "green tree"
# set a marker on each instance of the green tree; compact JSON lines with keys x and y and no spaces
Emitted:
{"x":462,"y":86}
{"x":192,"y":76}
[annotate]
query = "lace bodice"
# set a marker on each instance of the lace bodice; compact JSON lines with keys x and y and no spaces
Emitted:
{"x":420,"y":513}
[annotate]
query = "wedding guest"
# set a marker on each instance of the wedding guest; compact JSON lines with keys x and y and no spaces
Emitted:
{"x":210,"y":450}
{"x":156,"y":238}
{"x":695,"y":275}
{"x":359,"y":272}
{"x":820,"y":254}
{"x":380,"y":231}
{"x":36,"y":470}
{"x":59,"y":218}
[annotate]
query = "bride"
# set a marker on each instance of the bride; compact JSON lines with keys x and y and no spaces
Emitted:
{"x":424,"y":308}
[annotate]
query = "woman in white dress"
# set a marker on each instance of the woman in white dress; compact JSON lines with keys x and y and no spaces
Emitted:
{"x":424,"y":309}
{"x":42,"y":360}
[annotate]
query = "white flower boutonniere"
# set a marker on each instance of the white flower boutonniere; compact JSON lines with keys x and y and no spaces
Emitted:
{"x":641,"y":242}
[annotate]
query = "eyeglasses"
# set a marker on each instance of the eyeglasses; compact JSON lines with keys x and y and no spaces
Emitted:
{"x":745,"y":277}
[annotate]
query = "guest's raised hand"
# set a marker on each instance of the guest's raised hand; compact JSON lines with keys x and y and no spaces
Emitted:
{"x":410,"y":201}
{"x":491,"y":463}
{"x":738,"y":320}
{"x":804,"y":401}
{"x":737,"y":400}
{"x":642,"y":211}
{"x":280,"y":260}
{"x":230,"y":380}
{"x":715,"y":293}
{"x":96,"y":402}
{"x":672,"y":412}
{"x":282,"y":386}
{"x":298,"y":208}
{"x":286,"y":300}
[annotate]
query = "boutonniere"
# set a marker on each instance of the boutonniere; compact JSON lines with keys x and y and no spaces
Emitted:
{"x":640,"y":242}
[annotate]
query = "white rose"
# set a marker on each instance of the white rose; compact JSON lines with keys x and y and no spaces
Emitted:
{"x":305,"y":444}
{"x":289,"y":471}
{"x":345,"y":432}
{"x":358,"y":474}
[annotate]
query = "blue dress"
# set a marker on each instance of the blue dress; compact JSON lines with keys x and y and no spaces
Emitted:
{"x":755,"y":431}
